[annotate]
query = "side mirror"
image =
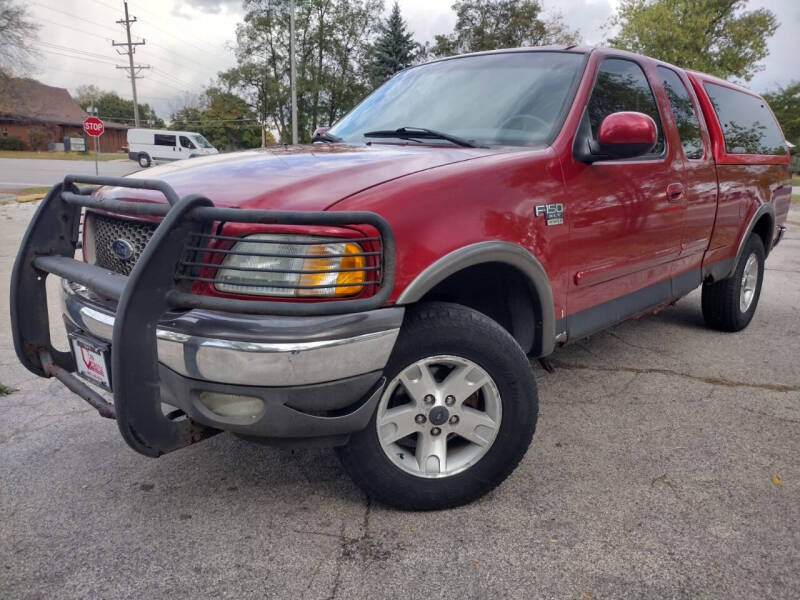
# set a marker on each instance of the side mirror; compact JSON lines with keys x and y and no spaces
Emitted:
{"x":620,"y":135}
{"x":319,"y":131}
{"x":624,"y":135}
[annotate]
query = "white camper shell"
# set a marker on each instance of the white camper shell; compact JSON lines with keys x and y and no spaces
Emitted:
{"x":149,"y":146}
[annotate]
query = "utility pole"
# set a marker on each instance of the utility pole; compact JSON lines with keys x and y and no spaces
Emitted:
{"x":133,"y":70}
{"x":293,"y":74}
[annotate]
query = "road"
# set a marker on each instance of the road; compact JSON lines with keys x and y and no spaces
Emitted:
{"x":19,"y":173}
{"x":665,"y":465}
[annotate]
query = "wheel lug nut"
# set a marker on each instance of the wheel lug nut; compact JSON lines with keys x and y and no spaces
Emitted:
{"x":429,"y":399}
{"x":454,"y":420}
{"x":435,"y":431}
{"x":450,"y":400}
{"x":420,"y":418}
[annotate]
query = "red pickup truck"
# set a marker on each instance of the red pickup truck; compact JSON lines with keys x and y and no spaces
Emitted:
{"x":383,"y":290}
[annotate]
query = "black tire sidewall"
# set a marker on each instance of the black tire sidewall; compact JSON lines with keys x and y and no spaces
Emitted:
{"x":460,"y":332}
{"x":754,"y":246}
{"x":146,"y":159}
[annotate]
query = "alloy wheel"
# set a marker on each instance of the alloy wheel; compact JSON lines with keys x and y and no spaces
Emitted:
{"x":749,"y":283}
{"x":439,"y":416}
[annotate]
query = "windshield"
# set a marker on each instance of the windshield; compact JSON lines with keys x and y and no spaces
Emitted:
{"x":201,"y":141}
{"x":512,"y":99}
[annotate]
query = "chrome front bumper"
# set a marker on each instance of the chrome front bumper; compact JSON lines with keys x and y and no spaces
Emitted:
{"x":255,"y":350}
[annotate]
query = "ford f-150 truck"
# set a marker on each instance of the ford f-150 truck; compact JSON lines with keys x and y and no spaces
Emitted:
{"x":384,"y":289}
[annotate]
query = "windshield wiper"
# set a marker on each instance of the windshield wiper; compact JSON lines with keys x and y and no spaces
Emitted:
{"x":326,"y":137}
{"x":409,"y":133}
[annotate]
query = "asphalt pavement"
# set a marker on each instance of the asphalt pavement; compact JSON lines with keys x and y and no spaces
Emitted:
{"x":665,"y":465}
{"x":20,"y":173}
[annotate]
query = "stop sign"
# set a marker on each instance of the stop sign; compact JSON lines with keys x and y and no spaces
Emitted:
{"x":93,"y":126}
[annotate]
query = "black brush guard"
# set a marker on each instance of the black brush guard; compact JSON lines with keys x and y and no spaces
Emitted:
{"x":146,"y":294}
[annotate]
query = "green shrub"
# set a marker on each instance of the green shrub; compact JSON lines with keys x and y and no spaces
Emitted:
{"x":11,"y":143}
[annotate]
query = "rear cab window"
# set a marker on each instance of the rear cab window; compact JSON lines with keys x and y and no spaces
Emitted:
{"x":742,"y":127}
{"x":748,"y":126}
{"x":621,"y":85}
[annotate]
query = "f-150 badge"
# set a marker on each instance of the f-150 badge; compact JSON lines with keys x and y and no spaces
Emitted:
{"x":554,"y":213}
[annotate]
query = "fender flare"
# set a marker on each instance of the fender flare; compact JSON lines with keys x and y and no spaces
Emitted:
{"x":501,"y":252}
{"x":765,"y":209}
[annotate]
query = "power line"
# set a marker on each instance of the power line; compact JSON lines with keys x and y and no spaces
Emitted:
{"x":197,"y":120}
{"x":71,"y":28}
{"x":182,"y":65}
{"x":93,"y":75}
{"x":73,"y":16}
{"x":162,"y":80}
{"x":171,"y":34}
{"x":94,"y":60}
{"x":164,"y":73}
{"x":163,"y":77}
{"x":172,"y":55}
{"x":95,"y":55}
{"x":182,"y":57}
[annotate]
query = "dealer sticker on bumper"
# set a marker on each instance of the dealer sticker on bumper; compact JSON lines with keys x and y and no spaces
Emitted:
{"x":91,"y":359}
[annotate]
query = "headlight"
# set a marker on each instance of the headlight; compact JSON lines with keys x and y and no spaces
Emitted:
{"x":292,"y":265}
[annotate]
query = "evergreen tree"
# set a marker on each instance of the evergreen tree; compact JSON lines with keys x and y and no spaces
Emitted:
{"x":395,"y":48}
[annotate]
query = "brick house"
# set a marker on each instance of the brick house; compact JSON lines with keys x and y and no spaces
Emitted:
{"x":38,"y":114}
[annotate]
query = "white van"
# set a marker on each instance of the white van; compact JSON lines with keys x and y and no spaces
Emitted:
{"x":148,"y":146}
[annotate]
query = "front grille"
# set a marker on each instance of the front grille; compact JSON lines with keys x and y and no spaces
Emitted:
{"x":104,"y":231}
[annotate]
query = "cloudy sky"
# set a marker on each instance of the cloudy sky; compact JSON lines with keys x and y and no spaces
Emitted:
{"x":188,"y":41}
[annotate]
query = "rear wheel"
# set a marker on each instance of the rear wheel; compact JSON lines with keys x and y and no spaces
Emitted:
{"x":729,"y":305}
{"x":456,"y":417}
{"x":144,"y":160}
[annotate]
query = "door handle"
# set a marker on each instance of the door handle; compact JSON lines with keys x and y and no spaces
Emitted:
{"x":675,"y":192}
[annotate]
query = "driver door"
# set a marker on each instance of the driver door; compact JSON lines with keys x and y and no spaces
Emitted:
{"x":186,"y":146}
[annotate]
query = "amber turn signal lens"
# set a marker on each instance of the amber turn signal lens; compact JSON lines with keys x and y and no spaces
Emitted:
{"x":335,"y":275}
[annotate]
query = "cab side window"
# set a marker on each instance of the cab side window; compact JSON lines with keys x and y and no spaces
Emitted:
{"x":684,"y":113}
{"x":621,"y":85}
{"x":187,"y":143}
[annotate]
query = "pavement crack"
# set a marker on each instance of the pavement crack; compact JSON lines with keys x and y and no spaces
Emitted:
{"x":631,"y":344}
{"x":322,"y":533}
{"x":337,"y":577}
{"x":718,"y":381}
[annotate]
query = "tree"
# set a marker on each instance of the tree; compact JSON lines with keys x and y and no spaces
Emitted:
{"x":224,"y":119}
{"x":714,"y":36}
{"x":17,"y":34}
{"x":115,"y":108}
{"x":493,"y":24}
{"x":332,"y":41}
{"x":395,"y":48}
{"x":785,"y":103}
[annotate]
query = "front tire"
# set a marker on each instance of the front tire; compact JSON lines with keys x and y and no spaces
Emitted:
{"x":729,"y":305}
{"x":456,"y":417}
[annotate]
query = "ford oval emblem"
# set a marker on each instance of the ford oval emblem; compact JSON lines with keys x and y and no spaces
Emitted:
{"x":123,"y":249}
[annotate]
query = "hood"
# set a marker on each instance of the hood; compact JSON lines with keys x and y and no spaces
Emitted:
{"x":293,"y":178}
